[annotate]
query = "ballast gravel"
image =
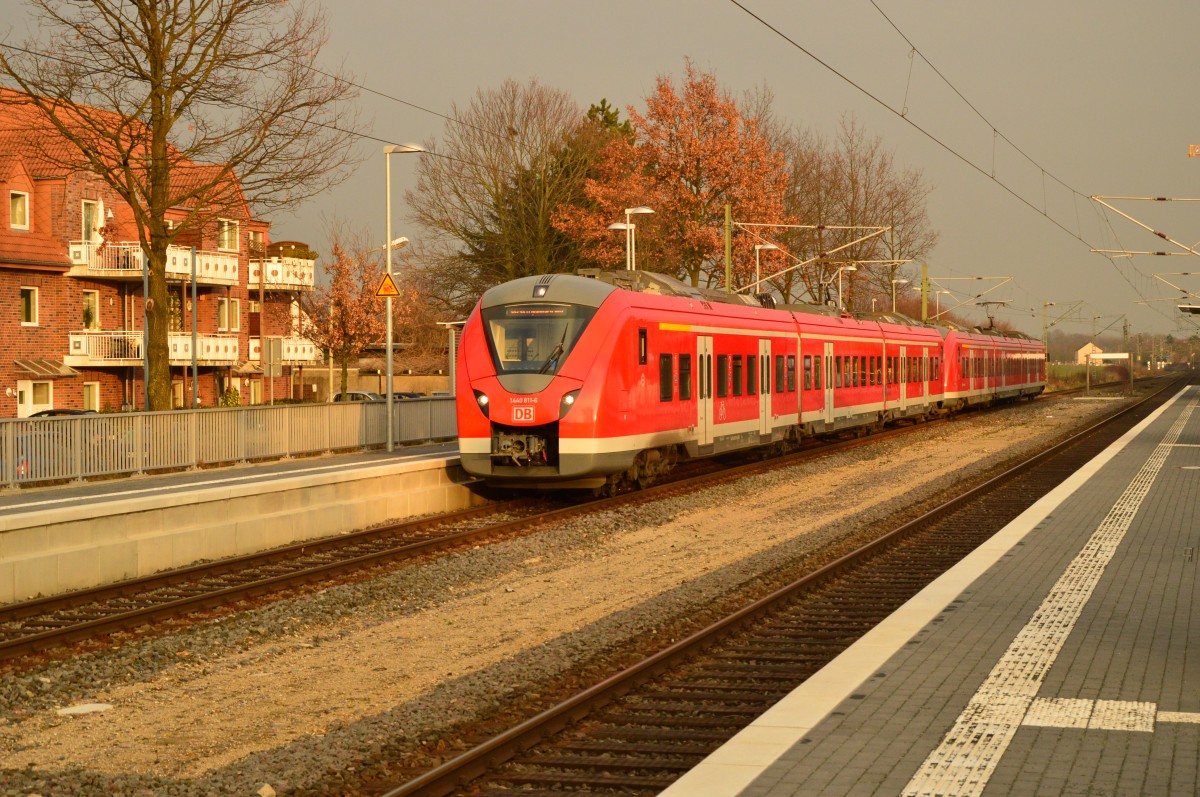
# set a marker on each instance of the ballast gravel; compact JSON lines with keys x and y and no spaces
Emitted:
{"x":314,"y":695}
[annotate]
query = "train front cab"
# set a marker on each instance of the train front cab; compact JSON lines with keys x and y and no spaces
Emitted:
{"x":527,"y":354}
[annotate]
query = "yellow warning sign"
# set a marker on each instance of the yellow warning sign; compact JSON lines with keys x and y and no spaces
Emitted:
{"x":387,"y":287}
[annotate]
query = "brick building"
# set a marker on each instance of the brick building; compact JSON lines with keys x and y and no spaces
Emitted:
{"x":71,"y":289}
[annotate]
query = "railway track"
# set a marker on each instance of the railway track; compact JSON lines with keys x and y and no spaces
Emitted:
{"x":41,"y":624}
{"x":637,"y":731}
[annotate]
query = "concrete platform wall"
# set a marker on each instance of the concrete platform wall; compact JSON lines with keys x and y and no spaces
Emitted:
{"x":57,"y":550}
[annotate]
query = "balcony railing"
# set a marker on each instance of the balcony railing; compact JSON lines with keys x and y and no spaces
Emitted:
{"x":124,"y":261}
{"x":296,"y":351}
{"x":283,"y":273}
{"x":124,"y":347}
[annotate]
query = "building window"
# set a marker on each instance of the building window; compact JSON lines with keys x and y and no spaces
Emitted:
{"x":29,"y":307}
{"x":227,"y":235}
{"x":91,"y":214}
{"x":18,"y":210}
{"x":91,"y":309}
{"x":229,"y":315}
{"x":254,"y":238}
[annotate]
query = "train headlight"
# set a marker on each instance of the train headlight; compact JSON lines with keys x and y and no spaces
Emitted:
{"x":568,"y":401}
{"x":481,"y":401}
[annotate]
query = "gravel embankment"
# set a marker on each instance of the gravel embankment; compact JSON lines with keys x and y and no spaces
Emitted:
{"x":308,"y":695}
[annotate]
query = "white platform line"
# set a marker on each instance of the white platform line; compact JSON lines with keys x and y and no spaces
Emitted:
{"x":962,"y":764}
{"x":25,"y":506}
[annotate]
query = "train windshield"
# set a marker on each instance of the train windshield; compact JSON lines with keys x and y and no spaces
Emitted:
{"x":535,"y":337}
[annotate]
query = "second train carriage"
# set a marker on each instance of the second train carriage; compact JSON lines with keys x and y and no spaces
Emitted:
{"x":577,"y":381}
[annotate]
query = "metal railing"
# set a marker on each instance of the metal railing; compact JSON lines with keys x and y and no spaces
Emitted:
{"x":124,"y":259}
{"x":71,"y":448}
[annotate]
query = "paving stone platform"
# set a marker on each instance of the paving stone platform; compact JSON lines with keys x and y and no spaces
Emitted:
{"x":1061,"y":658}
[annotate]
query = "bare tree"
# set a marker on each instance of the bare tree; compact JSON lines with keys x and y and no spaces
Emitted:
{"x":504,"y":164}
{"x":871,"y":190}
{"x":204,"y":108}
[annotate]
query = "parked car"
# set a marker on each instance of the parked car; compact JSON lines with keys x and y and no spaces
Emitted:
{"x":60,"y":411}
{"x":358,"y":395}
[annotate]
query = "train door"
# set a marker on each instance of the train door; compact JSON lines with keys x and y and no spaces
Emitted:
{"x":704,"y":390}
{"x":902,"y":376}
{"x":829,"y":383}
{"x":925,"y":375}
{"x":764,"y":387}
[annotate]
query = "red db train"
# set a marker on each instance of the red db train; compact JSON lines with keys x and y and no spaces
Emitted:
{"x":610,"y":378}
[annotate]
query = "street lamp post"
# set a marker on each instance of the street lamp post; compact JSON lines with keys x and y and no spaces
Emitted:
{"x":894,"y":284}
{"x":388,"y":151}
{"x":757,"y":277}
{"x":628,"y":228}
{"x":1045,"y":329}
{"x":841,"y":304}
{"x":630,"y":235}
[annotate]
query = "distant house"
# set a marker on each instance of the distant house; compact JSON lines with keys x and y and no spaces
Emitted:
{"x":71,"y":317}
{"x":1081,"y":356}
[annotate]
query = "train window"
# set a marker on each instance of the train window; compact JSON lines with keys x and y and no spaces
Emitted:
{"x":722,"y":375}
{"x":751,"y":375}
{"x":666,"y":375}
{"x":779,"y":373}
{"x":766,"y":373}
{"x":862,"y":370}
{"x":641,"y":347}
{"x":533,"y":337}
{"x":685,"y":377}
{"x":817,"y":372}
{"x":737,"y":374}
{"x":808,"y":382}
{"x":870,"y":370}
{"x":837,"y":371}
{"x":791,"y":373}
{"x":879,"y":370}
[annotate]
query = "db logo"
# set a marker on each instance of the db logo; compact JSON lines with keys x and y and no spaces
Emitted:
{"x":523,"y":414}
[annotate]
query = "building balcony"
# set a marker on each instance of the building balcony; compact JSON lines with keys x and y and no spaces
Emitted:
{"x":123,"y":261}
{"x":282,"y":274}
{"x":106,"y":348}
{"x":296,"y":351}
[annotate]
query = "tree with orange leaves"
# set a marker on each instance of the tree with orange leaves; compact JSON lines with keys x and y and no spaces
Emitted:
{"x":692,"y":153}
{"x":344,"y":316}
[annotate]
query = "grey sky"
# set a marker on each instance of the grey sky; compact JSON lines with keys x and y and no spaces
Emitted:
{"x":1098,"y":95}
